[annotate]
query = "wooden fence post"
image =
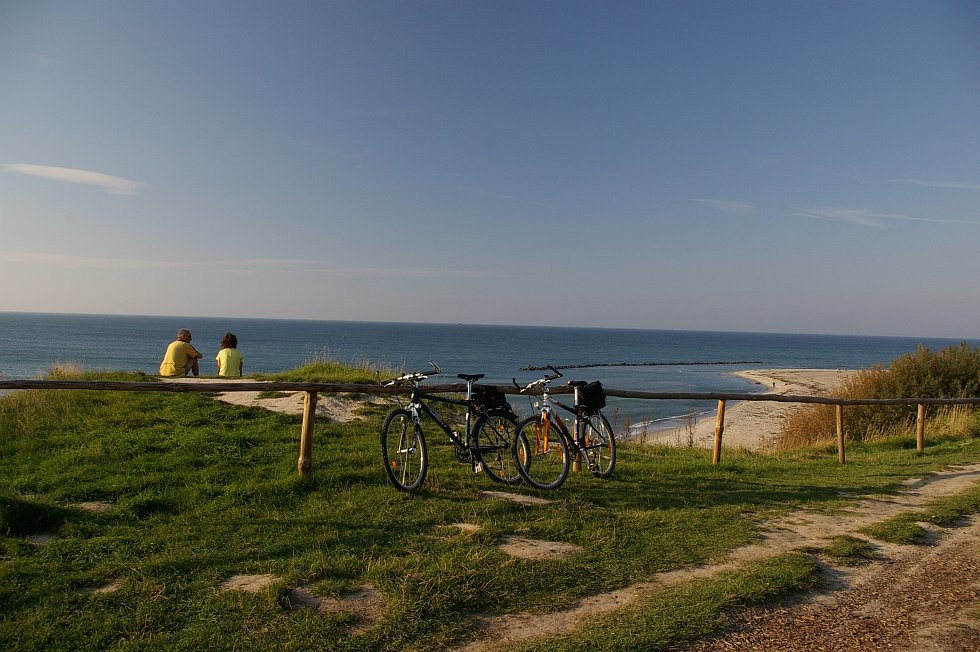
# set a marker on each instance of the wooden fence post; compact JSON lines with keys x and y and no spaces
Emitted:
{"x":920,"y":428}
{"x":305,"y":462}
{"x":719,"y":431}
{"x":840,"y":433}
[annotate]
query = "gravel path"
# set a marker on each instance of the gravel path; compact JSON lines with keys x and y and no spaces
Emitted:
{"x":912,"y":598}
{"x":917,"y":598}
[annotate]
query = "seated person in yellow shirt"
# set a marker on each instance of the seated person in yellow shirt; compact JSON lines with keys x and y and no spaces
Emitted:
{"x":230,"y":360}
{"x":181,"y":357}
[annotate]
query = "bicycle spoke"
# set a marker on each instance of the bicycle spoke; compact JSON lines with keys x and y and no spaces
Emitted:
{"x":493,"y":441}
{"x":541,"y":453}
{"x":403,"y":452}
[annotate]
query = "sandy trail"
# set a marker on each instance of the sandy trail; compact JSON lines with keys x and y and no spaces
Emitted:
{"x":801,"y":529}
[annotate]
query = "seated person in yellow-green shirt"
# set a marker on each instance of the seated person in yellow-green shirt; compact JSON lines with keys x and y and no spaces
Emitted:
{"x":230,"y":360}
{"x":181,"y":358}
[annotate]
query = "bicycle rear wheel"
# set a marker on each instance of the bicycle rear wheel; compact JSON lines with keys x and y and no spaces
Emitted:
{"x":493,"y":444}
{"x":599,"y":445}
{"x":403,"y":452}
{"x":541,"y":452}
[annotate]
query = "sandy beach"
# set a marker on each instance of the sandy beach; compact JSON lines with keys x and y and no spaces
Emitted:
{"x":753,"y":425}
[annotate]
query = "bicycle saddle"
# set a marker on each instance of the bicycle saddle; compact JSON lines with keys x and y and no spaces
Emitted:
{"x":577,"y":383}
{"x":471,"y":377}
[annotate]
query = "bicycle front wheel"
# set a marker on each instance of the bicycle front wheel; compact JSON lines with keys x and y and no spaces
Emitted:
{"x":599,"y":445}
{"x":541,"y":452}
{"x":493,"y":443}
{"x":403,"y":452}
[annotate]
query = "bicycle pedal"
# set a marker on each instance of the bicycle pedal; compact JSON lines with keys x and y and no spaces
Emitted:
{"x":478,"y":468}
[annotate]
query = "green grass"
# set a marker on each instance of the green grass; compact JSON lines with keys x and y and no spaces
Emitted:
{"x":204,"y":491}
{"x":849,"y":551}
{"x":323,"y":369}
{"x":905,"y":528}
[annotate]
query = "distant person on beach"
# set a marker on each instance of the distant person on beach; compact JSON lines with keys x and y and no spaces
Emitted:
{"x":181,"y":358}
{"x":230,"y":360}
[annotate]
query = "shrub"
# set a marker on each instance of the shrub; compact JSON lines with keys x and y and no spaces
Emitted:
{"x":953,"y":372}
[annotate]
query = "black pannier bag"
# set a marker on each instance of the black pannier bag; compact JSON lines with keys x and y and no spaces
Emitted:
{"x":489,"y":398}
{"x":592,"y":397}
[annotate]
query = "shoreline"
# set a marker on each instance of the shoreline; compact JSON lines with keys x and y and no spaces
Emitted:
{"x":750,"y":425}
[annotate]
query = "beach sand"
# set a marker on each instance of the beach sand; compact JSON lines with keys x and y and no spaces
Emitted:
{"x":753,"y":425}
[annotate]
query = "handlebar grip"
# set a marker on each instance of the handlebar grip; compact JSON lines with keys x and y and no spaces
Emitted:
{"x":556,"y":371}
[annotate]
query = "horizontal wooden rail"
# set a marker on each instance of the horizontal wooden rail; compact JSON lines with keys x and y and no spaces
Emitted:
{"x":190,"y":385}
{"x":305,"y":464}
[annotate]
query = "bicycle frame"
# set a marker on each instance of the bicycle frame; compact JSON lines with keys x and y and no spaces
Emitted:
{"x":578,"y":443}
{"x":416,"y":405}
{"x":547,"y":402}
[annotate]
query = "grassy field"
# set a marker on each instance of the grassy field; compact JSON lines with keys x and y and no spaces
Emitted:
{"x":202,"y":491}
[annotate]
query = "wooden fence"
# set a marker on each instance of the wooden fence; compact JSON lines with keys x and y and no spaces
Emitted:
{"x":312,"y":390}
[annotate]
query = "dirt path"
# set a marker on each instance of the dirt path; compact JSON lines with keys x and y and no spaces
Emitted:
{"x":919,"y":598}
{"x":914,"y":597}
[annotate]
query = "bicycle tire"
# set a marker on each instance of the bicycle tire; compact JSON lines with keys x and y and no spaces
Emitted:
{"x":599,"y":445}
{"x":541,"y":453}
{"x":403,"y":451}
{"x":493,"y":444}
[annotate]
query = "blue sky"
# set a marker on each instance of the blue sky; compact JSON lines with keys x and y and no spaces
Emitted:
{"x":757,"y":166}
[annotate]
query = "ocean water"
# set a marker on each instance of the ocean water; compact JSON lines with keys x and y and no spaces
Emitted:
{"x":630,"y":359}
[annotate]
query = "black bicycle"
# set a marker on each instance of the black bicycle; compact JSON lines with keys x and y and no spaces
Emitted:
{"x":544,"y":449}
{"x":487,"y":442}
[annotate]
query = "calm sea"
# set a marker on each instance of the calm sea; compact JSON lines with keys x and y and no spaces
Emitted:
{"x":685,"y":361}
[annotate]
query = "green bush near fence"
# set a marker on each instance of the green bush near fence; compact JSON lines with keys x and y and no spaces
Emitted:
{"x":952,"y":372}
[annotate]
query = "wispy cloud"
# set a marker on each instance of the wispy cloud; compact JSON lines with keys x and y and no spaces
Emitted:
{"x":729,"y":206}
{"x":110,"y":184}
{"x":265,"y":265}
{"x":959,"y":185}
{"x":865,"y":217}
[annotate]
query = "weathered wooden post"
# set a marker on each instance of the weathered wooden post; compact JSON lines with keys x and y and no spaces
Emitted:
{"x":840,"y":433}
{"x":920,"y":428}
{"x":719,"y":431}
{"x":305,"y":462}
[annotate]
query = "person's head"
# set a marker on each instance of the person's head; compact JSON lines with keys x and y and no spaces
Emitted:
{"x":184,"y":335}
{"x":229,"y":341}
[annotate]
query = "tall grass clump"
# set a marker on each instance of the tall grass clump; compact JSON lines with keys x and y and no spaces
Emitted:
{"x":323,"y":368}
{"x":952,"y":372}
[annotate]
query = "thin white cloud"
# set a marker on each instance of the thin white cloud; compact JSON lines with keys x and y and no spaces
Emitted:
{"x":266,"y":265}
{"x":866,"y":217}
{"x":742,"y":208}
{"x":959,"y":185}
{"x":110,"y":184}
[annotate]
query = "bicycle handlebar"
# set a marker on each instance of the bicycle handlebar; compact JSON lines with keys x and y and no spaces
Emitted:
{"x":414,"y":376}
{"x":540,"y":381}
